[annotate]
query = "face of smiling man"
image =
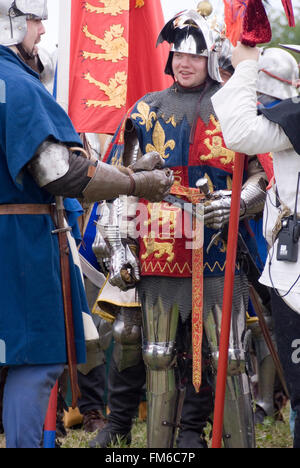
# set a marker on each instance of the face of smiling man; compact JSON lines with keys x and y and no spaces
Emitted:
{"x":189,"y":70}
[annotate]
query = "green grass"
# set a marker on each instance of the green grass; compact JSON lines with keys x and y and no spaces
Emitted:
{"x":271,"y":434}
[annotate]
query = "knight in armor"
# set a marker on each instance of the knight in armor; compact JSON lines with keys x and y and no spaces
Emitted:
{"x":181,"y":125}
{"x":37,"y":164}
{"x":276,"y":130}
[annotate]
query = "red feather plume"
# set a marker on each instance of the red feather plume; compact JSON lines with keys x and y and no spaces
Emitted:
{"x":247,"y":21}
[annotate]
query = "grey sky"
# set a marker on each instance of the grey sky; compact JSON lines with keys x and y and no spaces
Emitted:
{"x":170,"y":8}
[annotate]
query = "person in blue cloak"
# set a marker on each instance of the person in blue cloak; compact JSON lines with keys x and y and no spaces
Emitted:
{"x":36,"y":165}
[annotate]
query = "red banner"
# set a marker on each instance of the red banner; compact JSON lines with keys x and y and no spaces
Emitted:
{"x":113,"y":60}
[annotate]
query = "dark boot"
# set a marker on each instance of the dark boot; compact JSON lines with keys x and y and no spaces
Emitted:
{"x":196,"y":411}
{"x":125,"y":390}
{"x":93,"y":421}
{"x":92,"y":389}
{"x":109,"y":436}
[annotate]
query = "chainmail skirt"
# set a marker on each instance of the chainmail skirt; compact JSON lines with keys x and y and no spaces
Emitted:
{"x":179,"y":291}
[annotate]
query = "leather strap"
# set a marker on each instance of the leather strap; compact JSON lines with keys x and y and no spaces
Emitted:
{"x":25,"y":209}
{"x":64,"y":250}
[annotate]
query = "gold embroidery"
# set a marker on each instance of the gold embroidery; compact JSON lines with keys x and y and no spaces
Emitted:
{"x":217,"y":265}
{"x":158,"y":248}
{"x":113,"y":43}
{"x":178,"y":178}
{"x":112,"y":7}
{"x":166,"y":267}
{"x":229,"y":182}
{"x":163,"y":213}
{"x":145,"y":115}
{"x":159,"y":142}
{"x":117,"y":161}
{"x":217,"y":151}
{"x":172,"y":121}
{"x":210,"y":184}
{"x":122,"y":131}
{"x":139,"y":3}
{"x":217,"y":125}
{"x":215,"y":145}
{"x":116,"y":91}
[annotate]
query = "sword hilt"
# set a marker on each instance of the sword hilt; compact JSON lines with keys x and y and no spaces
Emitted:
{"x":202,"y":185}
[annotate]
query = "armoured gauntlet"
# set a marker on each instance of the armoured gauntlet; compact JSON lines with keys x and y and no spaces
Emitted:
{"x":110,"y":182}
{"x":61,"y":171}
{"x":253,"y":196}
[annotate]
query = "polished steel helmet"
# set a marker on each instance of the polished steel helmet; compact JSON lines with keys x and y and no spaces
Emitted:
{"x":225,"y":56}
{"x":278,"y":74}
{"x":13,"y":16}
{"x":189,"y":32}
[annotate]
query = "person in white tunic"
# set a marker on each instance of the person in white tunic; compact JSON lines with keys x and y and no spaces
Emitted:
{"x":276,"y":131}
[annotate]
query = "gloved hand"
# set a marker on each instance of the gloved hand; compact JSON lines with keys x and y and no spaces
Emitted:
{"x":153,"y":185}
{"x":108,"y":182}
{"x":217,"y":210}
{"x":148,"y":162}
{"x":124,"y":266}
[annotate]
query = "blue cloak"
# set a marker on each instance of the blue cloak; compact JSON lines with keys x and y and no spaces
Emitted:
{"x":31,"y":308}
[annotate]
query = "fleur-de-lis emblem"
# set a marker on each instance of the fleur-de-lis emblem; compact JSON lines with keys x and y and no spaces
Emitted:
{"x":159,"y":142}
{"x":146,"y":117}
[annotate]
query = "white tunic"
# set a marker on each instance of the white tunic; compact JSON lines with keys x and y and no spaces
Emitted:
{"x":246,"y":132}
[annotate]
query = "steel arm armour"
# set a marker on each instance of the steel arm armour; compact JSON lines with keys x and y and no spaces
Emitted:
{"x":63,"y":172}
{"x":253,"y":196}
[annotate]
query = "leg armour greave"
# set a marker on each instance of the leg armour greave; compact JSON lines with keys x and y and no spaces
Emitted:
{"x":128,"y":337}
{"x":160,"y":327}
{"x":238,"y":413}
{"x":265,"y":367}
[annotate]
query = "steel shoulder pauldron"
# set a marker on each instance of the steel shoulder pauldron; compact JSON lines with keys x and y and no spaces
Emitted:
{"x":50,"y":163}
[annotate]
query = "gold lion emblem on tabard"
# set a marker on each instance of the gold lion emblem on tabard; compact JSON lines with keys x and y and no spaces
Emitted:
{"x":215,"y":145}
{"x":111,"y":7}
{"x":160,"y":248}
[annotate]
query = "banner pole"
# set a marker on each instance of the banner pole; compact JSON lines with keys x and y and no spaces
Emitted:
{"x":64,"y":45}
{"x":227,"y":300}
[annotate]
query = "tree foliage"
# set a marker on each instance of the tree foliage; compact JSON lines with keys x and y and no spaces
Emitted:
{"x":281,"y":32}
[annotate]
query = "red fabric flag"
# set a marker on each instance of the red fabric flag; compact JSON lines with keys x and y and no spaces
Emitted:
{"x":114,"y":61}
